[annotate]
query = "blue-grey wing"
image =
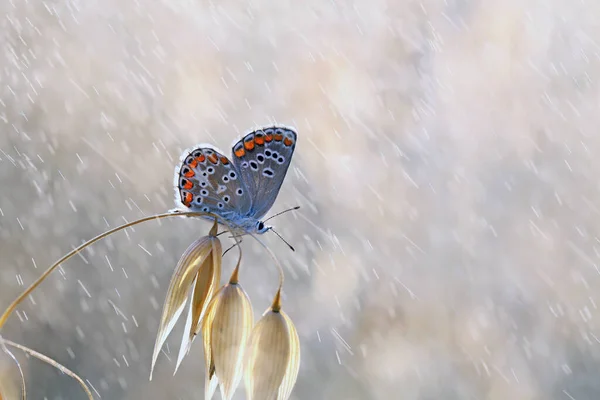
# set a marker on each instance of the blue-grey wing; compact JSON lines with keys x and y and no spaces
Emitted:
{"x":208,"y":181}
{"x":262,"y":158}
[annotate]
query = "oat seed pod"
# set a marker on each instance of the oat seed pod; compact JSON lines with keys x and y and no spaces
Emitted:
{"x":197,"y":276}
{"x":204,"y":288}
{"x":273,"y":356}
{"x":225,"y":330}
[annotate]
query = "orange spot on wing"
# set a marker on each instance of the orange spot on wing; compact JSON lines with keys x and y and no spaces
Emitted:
{"x":193,"y":164}
{"x":240,"y":152}
{"x":213,"y":158}
{"x":268,"y":137}
{"x":187,"y":199}
{"x":278,"y":137}
{"x":224,"y":160}
{"x":200,"y":158}
{"x":288,"y":142}
{"x":188,"y":184}
{"x":190,"y":173}
{"x":249,"y":145}
{"x":259,"y":140}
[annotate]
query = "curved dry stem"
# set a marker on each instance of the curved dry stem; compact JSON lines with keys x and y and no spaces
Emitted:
{"x":11,"y":355}
{"x":9,"y":310}
{"x":50,"y":361}
{"x":237,"y":243}
{"x":235,"y":237}
{"x":275,"y":260}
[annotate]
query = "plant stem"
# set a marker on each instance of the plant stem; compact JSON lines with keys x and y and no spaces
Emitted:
{"x":35,"y":284}
{"x":275,"y":260}
{"x":50,"y":361}
{"x":11,"y":355}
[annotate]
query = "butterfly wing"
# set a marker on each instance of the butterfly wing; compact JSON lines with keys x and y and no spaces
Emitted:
{"x":207,"y":181}
{"x":262,"y":158}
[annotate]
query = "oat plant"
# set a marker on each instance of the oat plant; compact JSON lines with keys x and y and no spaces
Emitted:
{"x":265,"y":355}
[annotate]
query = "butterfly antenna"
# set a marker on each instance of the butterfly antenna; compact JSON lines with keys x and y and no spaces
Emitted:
{"x":225,"y":252}
{"x":284,"y":241}
{"x":232,"y":246}
{"x":282,"y":212}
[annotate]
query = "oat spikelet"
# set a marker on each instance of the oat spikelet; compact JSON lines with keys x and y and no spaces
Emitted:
{"x":226,"y":329}
{"x":291,"y":372}
{"x":211,"y":381}
{"x":273,"y":356}
{"x":190,"y":279}
{"x":204,"y":287}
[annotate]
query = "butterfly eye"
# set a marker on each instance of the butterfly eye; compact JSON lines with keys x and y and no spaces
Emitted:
{"x":260,"y":226}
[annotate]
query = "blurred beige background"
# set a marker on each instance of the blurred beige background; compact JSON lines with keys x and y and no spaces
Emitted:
{"x":447,"y":245}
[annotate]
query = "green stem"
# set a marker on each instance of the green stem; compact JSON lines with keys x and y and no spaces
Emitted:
{"x":35,"y":284}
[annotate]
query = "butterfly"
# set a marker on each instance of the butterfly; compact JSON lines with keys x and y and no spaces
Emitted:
{"x":242,"y":189}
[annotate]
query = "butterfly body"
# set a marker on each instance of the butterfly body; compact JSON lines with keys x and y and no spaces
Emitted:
{"x":242,"y":189}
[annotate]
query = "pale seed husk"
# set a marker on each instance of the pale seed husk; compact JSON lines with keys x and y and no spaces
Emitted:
{"x":211,"y":381}
{"x":226,"y":330}
{"x":201,"y":302}
{"x":203,"y":288}
{"x":291,"y":372}
{"x":183,"y":277}
{"x":273,"y":356}
{"x":267,"y":357}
